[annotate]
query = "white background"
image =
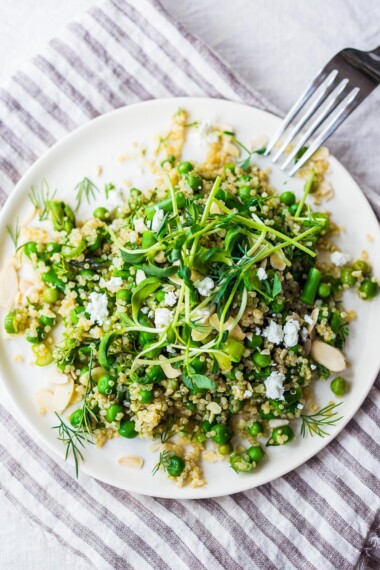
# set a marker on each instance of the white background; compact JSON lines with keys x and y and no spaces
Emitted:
{"x":277,"y":46}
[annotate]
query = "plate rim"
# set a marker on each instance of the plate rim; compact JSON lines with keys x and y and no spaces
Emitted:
{"x":25,"y":420}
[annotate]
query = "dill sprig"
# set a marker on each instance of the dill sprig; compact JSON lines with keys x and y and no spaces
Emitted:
{"x":168,"y":431}
{"x":40,"y":198}
{"x":314,"y":423}
{"x":14,"y":234}
{"x":163,"y":461}
{"x":72,"y":438}
{"x":85,"y":189}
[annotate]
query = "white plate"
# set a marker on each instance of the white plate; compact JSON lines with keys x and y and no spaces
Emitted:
{"x":100,"y":142}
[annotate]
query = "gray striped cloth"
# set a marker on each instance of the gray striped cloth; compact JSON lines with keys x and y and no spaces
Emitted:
{"x":321,"y":516}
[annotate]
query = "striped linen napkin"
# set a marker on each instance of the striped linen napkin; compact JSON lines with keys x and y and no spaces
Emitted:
{"x":321,"y":516}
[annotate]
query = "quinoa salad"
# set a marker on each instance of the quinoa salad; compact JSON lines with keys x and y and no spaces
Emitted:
{"x":196,"y":314}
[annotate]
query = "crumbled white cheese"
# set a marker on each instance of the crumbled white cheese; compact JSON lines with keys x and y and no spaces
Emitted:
{"x":300,"y":406}
{"x":261,"y":273}
{"x":308,"y":319}
{"x":170,"y":349}
{"x":114,"y":284}
{"x":291,"y":330}
{"x":118,"y":262}
{"x":97,"y":307}
{"x":162,"y":318}
{"x":205,"y":133}
{"x":247,"y":394}
{"x":258,"y":331}
{"x":205,"y":286}
{"x":170,"y":299}
{"x":140,"y":226}
{"x":274,"y":386}
{"x":133,"y":237}
{"x":339,"y":258}
{"x":274,"y":333}
{"x":313,"y":367}
{"x":145,"y":310}
{"x":304,"y":334}
{"x":157,"y":219}
{"x":140,"y":276}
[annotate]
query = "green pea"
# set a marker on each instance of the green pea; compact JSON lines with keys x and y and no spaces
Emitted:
{"x":222,"y":434}
{"x":76,"y":418}
{"x":160,"y":295}
{"x":194,"y":181}
{"x":240,"y":464}
{"x":124,"y":295}
{"x":146,"y":338}
{"x":47,"y":320}
{"x":191,"y":406}
{"x":261,"y":360}
{"x":346,"y":277}
{"x":148,"y":239}
{"x":154,"y":352}
{"x":324,"y":290}
{"x":230,"y":167}
{"x":10,"y":322}
{"x":127,"y":429}
{"x":50,"y":295}
{"x":146,"y":396}
{"x":38,"y":337}
{"x":113,"y":411}
{"x":101,"y":213}
{"x":293,"y":209}
{"x":87,"y":274}
{"x":206,"y":426}
{"x":170,"y":160}
{"x":255,"y":429}
{"x":255,"y":453}
{"x":369,"y":289}
{"x":244,"y":192}
{"x":278,"y":433}
{"x":339,"y":386}
{"x":185,"y":167}
{"x":288,"y":198}
{"x":175,"y":466}
{"x":107,"y":384}
{"x":153,"y":375}
{"x":225,"y":448}
{"x":29,"y":248}
{"x":200,"y":366}
{"x":255,"y":342}
{"x":361,"y":265}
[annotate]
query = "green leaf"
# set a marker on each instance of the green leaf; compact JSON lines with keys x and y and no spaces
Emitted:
{"x":104,"y":359}
{"x":133,"y":258}
{"x":277,"y":287}
{"x":246,"y":163}
{"x":185,"y":274}
{"x":186,"y":379}
{"x":142,"y":292}
{"x":203,"y":382}
{"x":155,"y":271}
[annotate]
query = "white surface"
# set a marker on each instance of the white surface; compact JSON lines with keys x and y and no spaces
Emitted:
{"x":100,"y":142}
{"x":275,"y":46}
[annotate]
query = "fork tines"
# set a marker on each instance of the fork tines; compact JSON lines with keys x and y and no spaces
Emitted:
{"x":323,"y":106}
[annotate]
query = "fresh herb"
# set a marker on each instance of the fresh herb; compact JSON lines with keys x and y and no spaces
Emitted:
{"x":14,"y":234}
{"x":164,"y":461}
{"x":277,"y":287}
{"x":107,"y":189}
{"x":85,"y":189}
{"x":40,"y":198}
{"x":72,"y":438}
{"x":168,"y":431}
{"x":314,"y":423}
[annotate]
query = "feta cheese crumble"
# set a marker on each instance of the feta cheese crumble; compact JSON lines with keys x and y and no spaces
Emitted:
{"x":274,"y":386}
{"x":247,"y":394}
{"x":114,"y":284}
{"x":291,"y":330}
{"x":97,"y":307}
{"x":162,"y":318}
{"x":339,"y":258}
{"x":140,"y":226}
{"x":308,"y":319}
{"x":170,"y":299}
{"x":274,"y":333}
{"x":205,"y":286}
{"x":206,"y":134}
{"x":157,"y":219}
{"x":140,"y":276}
{"x":262,"y":274}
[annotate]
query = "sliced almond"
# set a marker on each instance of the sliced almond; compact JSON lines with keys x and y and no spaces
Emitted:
{"x":8,"y":286}
{"x":58,"y":378}
{"x":314,"y":315}
{"x":236,"y":333}
{"x":198,"y":335}
{"x":62,"y":395}
{"x":215,"y":209}
{"x":276,"y":262}
{"x":44,"y":399}
{"x":327,"y":355}
{"x":130,"y":461}
{"x":168,"y":369}
{"x":176,"y":279}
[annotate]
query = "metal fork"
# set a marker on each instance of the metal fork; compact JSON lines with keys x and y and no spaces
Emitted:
{"x":345,"y":81}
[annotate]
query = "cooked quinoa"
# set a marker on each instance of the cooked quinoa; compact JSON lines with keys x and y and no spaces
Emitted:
{"x":195,"y":312}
